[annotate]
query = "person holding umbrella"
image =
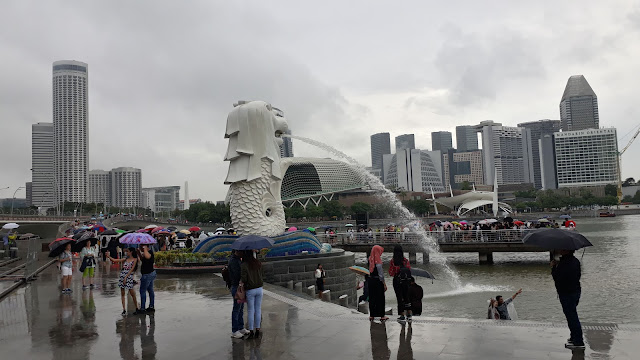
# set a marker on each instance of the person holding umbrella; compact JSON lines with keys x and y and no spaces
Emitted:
{"x":66,"y":268}
{"x":125,"y":282}
{"x":147,"y":279}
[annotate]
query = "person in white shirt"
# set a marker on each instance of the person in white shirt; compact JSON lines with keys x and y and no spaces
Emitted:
{"x":88,"y":254}
{"x":320,"y":275}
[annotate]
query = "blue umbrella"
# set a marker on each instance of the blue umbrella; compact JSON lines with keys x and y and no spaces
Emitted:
{"x":252,"y":242}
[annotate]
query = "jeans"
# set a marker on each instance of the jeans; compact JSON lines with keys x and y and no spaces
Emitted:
{"x":254,"y":308}
{"x":146,"y":284}
{"x":237,"y":314}
{"x":569,"y":304}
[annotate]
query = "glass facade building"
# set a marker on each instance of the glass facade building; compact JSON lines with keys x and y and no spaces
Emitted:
{"x":579,"y":105}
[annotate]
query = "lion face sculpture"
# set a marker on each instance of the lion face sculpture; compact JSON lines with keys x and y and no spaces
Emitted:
{"x":254,"y":130}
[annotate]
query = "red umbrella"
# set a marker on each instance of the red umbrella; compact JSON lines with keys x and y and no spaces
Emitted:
{"x":156,"y":230}
{"x":518,"y":222}
{"x":194,"y":228}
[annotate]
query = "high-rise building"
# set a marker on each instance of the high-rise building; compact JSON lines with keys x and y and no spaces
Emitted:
{"x":547,"y":155}
{"x":71,"y":130}
{"x":126,"y":187}
{"x":29,"y":193}
{"x":163,"y":199}
{"x":380,"y":145}
{"x":441,"y":141}
{"x":100,"y":191}
{"x":586,"y":157}
{"x":406,"y":141}
{"x":507,"y":152}
{"x":579,"y":105}
{"x":286,"y":149}
{"x":466,"y":138}
{"x":414,"y":170}
{"x":538,"y":129}
{"x":460,"y":167}
{"x":42,"y":174}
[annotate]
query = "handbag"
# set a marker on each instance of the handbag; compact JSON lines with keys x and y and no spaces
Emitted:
{"x":241,"y":295}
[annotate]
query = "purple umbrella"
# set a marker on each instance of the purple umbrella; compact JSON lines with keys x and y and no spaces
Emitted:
{"x":137,"y":239}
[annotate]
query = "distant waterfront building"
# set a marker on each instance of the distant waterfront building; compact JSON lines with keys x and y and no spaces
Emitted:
{"x":579,"y":105}
{"x":538,"y":129}
{"x":441,"y":141}
{"x":99,"y":187}
{"x":162,"y":199}
{"x":191,"y":202}
{"x":42,"y":170}
{"x":406,"y":141}
{"x":459,"y":167}
{"x":547,"y":155}
{"x":29,"y":193}
{"x":586,"y":157}
{"x":380,"y":145}
{"x":286,"y":149}
{"x":507,"y":152}
{"x":71,"y":130}
{"x":414,"y":170}
{"x":126,"y":187}
{"x":466,"y":138}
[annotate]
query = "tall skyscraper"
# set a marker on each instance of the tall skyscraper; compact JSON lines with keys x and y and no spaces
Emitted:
{"x":414,"y":170}
{"x":380,"y":145}
{"x":507,"y":152}
{"x":538,"y":129}
{"x":441,"y":141}
{"x":29,"y":193}
{"x":586,"y":157}
{"x":547,"y":156}
{"x":126,"y":187}
{"x":286,"y":149}
{"x":71,"y":130}
{"x":42,"y":176}
{"x":466,"y":138}
{"x":579,"y":105}
{"x":404,"y":142}
{"x":99,"y":187}
{"x":459,"y":167}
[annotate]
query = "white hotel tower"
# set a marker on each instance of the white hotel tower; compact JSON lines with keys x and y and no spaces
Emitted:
{"x":71,"y":130}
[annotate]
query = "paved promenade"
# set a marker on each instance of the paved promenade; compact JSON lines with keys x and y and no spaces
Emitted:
{"x":192,"y":322}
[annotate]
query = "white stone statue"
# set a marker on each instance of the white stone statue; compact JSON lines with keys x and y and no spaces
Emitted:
{"x":255,"y":176}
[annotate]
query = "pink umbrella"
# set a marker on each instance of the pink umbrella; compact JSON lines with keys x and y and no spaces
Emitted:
{"x":293,"y":228}
{"x":156,"y":230}
{"x":142,"y":230}
{"x":137,"y":239}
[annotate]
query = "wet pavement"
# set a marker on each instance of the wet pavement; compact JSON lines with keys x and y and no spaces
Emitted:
{"x":192,"y":321}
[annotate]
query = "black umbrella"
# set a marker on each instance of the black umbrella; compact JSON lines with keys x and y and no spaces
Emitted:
{"x":83,"y":235}
{"x":252,"y":242}
{"x":421,"y":272}
{"x":109,"y":232}
{"x":57,"y":246}
{"x":80,"y":244}
{"x":508,"y":219}
{"x":556,"y":239}
{"x":172,"y":228}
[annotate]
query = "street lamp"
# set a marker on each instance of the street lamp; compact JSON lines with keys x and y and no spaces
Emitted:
{"x":14,"y":197}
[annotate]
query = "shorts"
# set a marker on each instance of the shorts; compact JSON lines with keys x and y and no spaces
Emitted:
{"x":66,"y":271}
{"x":88,"y":271}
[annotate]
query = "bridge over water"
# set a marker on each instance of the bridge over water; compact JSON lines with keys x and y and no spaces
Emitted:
{"x":483,"y":242}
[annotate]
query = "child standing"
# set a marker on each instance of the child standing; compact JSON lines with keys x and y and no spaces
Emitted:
{"x":66,"y":268}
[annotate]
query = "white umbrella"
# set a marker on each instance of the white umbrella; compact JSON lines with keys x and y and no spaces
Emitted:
{"x":151,"y":226}
{"x":221,"y":229}
{"x":491,"y":221}
{"x":349,"y":225}
{"x":10,"y":226}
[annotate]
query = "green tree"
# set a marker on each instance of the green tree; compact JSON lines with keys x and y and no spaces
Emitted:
{"x":465,"y":186}
{"x":333,"y":208}
{"x":627,"y":199}
{"x":611,"y":190}
{"x":314,"y":211}
{"x":418,"y":207}
{"x":360,"y":208}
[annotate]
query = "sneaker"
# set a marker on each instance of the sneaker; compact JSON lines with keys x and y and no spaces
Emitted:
{"x":85,"y":287}
{"x":409,"y":318}
{"x":252,"y":335}
{"x":138,"y":312}
{"x":124,"y":312}
{"x":150,"y":309}
{"x":244,"y":331}
{"x":572,"y":346}
{"x":92,"y":286}
{"x":64,"y":291}
{"x":257,"y":336}
{"x":69,"y":291}
{"x":401,"y":318}
{"x":237,"y":335}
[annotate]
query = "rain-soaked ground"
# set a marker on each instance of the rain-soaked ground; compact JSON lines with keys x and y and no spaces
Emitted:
{"x":192,"y":321}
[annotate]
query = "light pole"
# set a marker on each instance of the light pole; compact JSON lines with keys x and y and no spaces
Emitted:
{"x":14,"y":197}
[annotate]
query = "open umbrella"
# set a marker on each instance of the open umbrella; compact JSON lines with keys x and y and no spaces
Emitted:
{"x":163,"y":232}
{"x":137,"y":239}
{"x":151,"y":226}
{"x":349,"y":225}
{"x":143,"y":230}
{"x":422,"y":273}
{"x":221,"y":229}
{"x":565,"y":216}
{"x":543,"y":220}
{"x":109,"y":232}
{"x":172,"y":228}
{"x":252,"y":242}
{"x":312,"y":229}
{"x":80,"y":244}
{"x":27,"y":236}
{"x":99,"y":227}
{"x":508,"y":219}
{"x":10,"y":226}
{"x":120,"y":231}
{"x":57,"y":246}
{"x":518,"y":222}
{"x":83,"y":236}
{"x":359,"y":270}
{"x":491,"y":221}
{"x":181,"y":235}
{"x":156,"y":230}
{"x":293,"y":228}
{"x":186,"y":232}
{"x":194,"y":228}
{"x":556,"y":239}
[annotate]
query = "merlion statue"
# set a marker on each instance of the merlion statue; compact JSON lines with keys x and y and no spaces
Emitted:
{"x":254,"y":131}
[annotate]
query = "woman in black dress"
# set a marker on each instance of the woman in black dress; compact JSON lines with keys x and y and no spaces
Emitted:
{"x":377,"y":286}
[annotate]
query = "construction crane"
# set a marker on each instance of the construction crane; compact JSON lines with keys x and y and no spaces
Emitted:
{"x":619,"y":162}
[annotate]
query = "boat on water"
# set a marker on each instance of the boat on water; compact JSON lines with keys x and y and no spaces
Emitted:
{"x":607,"y":214}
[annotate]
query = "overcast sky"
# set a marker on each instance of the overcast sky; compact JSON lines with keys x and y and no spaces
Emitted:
{"x":164,"y":74}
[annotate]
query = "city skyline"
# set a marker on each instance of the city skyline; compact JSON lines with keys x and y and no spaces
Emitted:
{"x":479,"y":65}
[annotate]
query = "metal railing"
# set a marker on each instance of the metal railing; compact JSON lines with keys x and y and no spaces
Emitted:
{"x":442,"y":237}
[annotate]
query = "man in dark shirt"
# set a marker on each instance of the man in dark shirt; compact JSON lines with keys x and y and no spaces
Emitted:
{"x":237,"y":315}
{"x":566,"y":275}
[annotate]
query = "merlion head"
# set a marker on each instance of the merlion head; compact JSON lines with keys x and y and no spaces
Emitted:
{"x":254,"y":130}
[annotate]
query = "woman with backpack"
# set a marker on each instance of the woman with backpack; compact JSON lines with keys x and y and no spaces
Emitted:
{"x":400,"y":269}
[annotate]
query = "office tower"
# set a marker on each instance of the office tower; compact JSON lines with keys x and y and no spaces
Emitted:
{"x":99,"y":189}
{"x":29,"y":193}
{"x":507,"y":152}
{"x":126,"y":187}
{"x":441,"y":141}
{"x":586,"y":157}
{"x":547,"y":155}
{"x":70,"y":130}
{"x":459,"y":167}
{"x":538,"y":129}
{"x":406,"y":141}
{"x":162,"y":199}
{"x":43,"y":192}
{"x":286,"y":149}
{"x":414,"y":170}
{"x":380,"y":145}
{"x":466,"y":138}
{"x":579,"y":105}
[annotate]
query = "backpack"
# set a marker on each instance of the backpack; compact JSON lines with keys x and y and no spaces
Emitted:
{"x":405,"y":273}
{"x":225,"y":276}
